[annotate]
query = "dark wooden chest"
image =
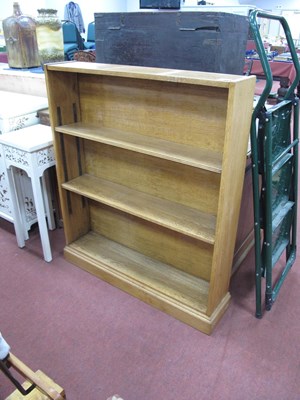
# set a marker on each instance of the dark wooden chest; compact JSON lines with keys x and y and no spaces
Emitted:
{"x":201,"y":41}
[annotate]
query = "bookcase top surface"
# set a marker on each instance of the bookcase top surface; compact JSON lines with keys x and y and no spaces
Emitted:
{"x":150,"y":73}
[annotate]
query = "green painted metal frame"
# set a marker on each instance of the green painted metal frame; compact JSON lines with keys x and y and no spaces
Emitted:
{"x":280,"y":221}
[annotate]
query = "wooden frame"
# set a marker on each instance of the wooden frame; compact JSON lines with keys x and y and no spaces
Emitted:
{"x":150,"y":166}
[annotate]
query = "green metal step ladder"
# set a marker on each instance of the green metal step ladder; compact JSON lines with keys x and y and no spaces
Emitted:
{"x":274,"y":152}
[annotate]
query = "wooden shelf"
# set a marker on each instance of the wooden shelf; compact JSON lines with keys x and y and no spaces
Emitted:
{"x":130,"y":266}
{"x":171,"y":215}
{"x":188,"y":155}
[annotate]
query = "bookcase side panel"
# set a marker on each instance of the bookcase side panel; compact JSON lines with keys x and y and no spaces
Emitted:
{"x":64,"y":107}
{"x":240,"y":106}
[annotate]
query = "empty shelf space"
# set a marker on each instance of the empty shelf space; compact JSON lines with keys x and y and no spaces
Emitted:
{"x":126,"y":268}
{"x":166,"y":213}
{"x":156,"y":147}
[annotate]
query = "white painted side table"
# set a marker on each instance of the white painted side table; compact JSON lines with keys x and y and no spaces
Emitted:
{"x":31,"y":149}
{"x":16,"y":112}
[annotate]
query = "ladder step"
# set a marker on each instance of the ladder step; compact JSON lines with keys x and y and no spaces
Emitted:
{"x":278,"y":106}
{"x":280,"y":161}
{"x":279,"y":250}
{"x":281,"y":229}
{"x":280,"y":213}
{"x":281,"y":183}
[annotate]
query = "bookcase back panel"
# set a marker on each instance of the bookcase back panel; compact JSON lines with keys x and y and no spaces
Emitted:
{"x":186,"y":114}
{"x":180,"y":251}
{"x":180,"y":183}
{"x":75,"y":212}
{"x":71,"y":155}
{"x":76,"y":216}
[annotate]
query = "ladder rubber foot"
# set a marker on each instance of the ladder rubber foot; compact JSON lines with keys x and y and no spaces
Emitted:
{"x":269,"y":301}
{"x":269,"y":306}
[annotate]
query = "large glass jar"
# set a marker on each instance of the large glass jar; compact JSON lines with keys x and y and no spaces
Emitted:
{"x":49,"y":36}
{"x":20,"y":40}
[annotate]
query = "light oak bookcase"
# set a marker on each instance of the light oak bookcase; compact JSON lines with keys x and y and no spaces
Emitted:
{"x":150,"y":166}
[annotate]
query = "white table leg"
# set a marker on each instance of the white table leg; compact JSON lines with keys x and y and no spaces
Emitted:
{"x":19,"y":180}
{"x":15,"y":208}
{"x":40,"y":211}
{"x":48,"y":200}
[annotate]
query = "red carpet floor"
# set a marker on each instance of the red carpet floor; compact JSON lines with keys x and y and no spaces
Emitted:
{"x":96,"y":341}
